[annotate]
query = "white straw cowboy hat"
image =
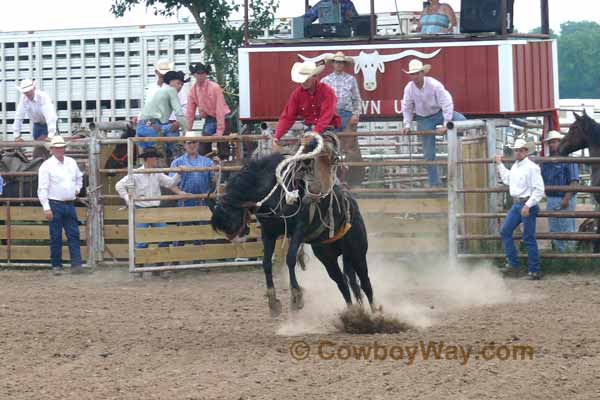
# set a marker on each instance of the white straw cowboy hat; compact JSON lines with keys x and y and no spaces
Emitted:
{"x":523,"y":144}
{"x":301,"y":71}
{"x":416,"y":66}
{"x":339,"y":56}
{"x":57,"y":141}
{"x":552,"y":135}
{"x":163,"y":66}
{"x":26,"y":85}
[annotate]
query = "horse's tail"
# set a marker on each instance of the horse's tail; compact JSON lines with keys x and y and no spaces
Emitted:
{"x":302,"y":257}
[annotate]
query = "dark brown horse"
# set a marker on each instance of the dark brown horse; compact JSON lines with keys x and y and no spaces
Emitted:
{"x":585,"y":133}
{"x":118,"y":158}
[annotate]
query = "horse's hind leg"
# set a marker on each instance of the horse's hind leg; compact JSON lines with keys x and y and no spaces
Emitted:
{"x":350,"y":274}
{"x":296,"y":300}
{"x":328,"y":257}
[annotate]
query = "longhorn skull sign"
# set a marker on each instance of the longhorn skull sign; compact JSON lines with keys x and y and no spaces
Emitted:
{"x":370,"y":63}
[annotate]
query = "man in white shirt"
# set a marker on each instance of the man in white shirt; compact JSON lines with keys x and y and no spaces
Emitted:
{"x":148,"y":185}
{"x":36,"y":106}
{"x":59,"y":182}
{"x":427,"y":101}
{"x":527,"y":190}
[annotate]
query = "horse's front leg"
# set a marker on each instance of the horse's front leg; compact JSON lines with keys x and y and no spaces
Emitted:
{"x":296,"y":300}
{"x":268,"y":249}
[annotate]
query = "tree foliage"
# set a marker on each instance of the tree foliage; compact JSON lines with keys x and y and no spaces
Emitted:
{"x":578,"y":59}
{"x":220,"y":38}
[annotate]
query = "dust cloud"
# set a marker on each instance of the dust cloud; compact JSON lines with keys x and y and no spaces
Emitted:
{"x":420,"y":292}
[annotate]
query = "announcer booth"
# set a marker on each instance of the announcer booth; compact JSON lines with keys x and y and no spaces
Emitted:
{"x":490,"y":71}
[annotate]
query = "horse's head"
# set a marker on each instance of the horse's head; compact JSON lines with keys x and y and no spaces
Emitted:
{"x":580,"y":135}
{"x":232,"y":221}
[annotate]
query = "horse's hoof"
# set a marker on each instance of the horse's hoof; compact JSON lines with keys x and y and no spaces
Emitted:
{"x":375,"y":309}
{"x":297,"y":300}
{"x":274,"y":303}
{"x":275,"y":308}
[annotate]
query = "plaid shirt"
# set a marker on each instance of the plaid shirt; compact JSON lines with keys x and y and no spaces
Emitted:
{"x":346,"y":7}
{"x":346,"y":89}
{"x":193,"y":182}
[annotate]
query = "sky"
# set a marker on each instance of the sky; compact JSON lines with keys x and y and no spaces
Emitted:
{"x":33,"y":15}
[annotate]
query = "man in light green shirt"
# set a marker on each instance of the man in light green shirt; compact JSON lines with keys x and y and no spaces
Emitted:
{"x":154,"y":119}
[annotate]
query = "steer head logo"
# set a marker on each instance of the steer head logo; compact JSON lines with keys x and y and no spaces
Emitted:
{"x":371,"y":63}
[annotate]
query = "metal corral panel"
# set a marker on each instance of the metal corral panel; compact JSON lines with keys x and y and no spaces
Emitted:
{"x":92,"y":74}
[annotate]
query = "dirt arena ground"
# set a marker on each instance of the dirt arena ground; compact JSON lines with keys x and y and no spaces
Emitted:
{"x":210,"y":336}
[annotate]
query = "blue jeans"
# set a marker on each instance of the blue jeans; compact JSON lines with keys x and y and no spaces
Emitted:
{"x":514,"y":219}
{"x":148,"y":225}
{"x":143,"y":130}
{"x":559,"y":225}
{"x":39,"y":130}
{"x":428,"y":124}
{"x":64,"y":216}
{"x":345,"y":115}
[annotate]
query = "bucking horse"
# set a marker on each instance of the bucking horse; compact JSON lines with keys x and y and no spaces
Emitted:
{"x":585,"y":133}
{"x":333,"y":226}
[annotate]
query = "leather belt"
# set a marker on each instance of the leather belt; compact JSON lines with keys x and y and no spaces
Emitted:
{"x":520,"y":200}
{"x":68,"y":202}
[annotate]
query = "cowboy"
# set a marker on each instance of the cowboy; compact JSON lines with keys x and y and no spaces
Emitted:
{"x":348,"y":11}
{"x":349,"y":103}
{"x":154,"y":119}
{"x":35,"y":105}
{"x":560,"y":174}
{"x":207,"y":97}
{"x":194,"y":182}
{"x":526,"y":186}
{"x":161,"y":67}
{"x":428,"y":102}
{"x":148,"y":185}
{"x":316,"y":103}
{"x":59,"y":182}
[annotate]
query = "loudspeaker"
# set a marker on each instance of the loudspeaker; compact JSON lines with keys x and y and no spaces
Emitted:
{"x":328,"y":30}
{"x":484,"y":16}
{"x":361,"y":25}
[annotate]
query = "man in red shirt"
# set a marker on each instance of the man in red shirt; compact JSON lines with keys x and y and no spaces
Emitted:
{"x":315,"y":103}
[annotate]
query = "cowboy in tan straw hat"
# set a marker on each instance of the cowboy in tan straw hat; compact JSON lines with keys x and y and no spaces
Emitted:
{"x":560,"y":174}
{"x":36,"y":106}
{"x":349,"y":105}
{"x":427,"y":101}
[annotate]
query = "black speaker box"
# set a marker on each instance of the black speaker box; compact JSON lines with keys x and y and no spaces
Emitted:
{"x":328,"y":30}
{"x":478,"y":16}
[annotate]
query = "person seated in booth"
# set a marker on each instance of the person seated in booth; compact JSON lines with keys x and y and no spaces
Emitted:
{"x":347,"y":8}
{"x":437,"y":18}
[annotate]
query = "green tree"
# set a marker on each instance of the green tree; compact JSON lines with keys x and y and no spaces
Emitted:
{"x":221,"y":39}
{"x":579,"y":60}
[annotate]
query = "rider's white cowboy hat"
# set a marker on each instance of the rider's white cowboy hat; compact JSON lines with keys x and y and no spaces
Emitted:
{"x":57,"y":141}
{"x":416,"y":66}
{"x":163,"y":66}
{"x":301,"y":71}
{"x":339,"y":56}
{"x":552,"y":135}
{"x":26,"y":85}
{"x":523,"y":144}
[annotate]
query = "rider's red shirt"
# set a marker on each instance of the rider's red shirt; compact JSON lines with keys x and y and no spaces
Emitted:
{"x":317,"y":109}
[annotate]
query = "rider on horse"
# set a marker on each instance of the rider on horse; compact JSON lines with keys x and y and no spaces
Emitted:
{"x":315,"y":103}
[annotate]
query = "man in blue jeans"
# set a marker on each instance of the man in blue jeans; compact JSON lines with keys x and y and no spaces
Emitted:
{"x":427,"y":101}
{"x":36,"y":106}
{"x":560,"y":174}
{"x":59,"y":181}
{"x":526,"y":187}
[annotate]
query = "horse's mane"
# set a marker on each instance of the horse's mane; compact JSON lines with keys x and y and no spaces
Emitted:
{"x":252,"y":181}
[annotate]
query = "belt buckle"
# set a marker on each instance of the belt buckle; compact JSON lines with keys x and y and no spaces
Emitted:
{"x":148,"y":122}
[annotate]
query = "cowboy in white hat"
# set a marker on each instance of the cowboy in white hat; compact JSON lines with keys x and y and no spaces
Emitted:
{"x":38,"y":107}
{"x":427,"y":101}
{"x":560,"y":174}
{"x":59,"y":182}
{"x":526,"y":186}
{"x":315,"y":103}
